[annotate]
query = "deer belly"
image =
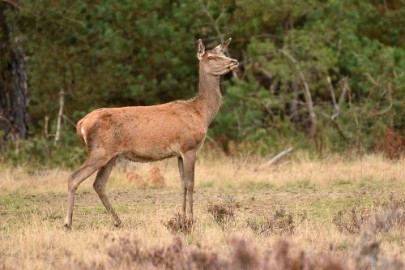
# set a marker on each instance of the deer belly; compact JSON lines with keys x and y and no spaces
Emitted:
{"x":148,"y":155}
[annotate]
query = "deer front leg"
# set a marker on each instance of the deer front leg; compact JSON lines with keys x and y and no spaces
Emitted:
{"x":189,"y":164}
{"x":183,"y":185}
{"x":99,"y":186}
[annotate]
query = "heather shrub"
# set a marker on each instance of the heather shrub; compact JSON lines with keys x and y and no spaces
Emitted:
{"x":180,"y":224}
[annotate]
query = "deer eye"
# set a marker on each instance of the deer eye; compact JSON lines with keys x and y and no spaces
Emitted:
{"x":211,"y":57}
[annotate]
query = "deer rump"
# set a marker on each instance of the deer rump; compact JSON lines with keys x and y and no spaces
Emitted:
{"x":142,"y":133}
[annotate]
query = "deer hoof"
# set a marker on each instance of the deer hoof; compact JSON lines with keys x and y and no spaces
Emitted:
{"x":67,"y":226}
{"x":117,"y":223}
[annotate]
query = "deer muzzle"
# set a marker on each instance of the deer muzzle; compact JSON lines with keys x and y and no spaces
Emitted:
{"x":234,"y":64}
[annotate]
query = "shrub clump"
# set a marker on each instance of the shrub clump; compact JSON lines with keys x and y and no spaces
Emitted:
{"x":386,"y":216}
{"x":180,"y":224}
{"x":371,"y":228}
{"x":129,"y":254}
{"x":281,"y":223}
{"x":222,"y":214}
{"x":351,"y":221}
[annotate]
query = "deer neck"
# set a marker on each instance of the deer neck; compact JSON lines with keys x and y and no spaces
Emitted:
{"x":209,"y":96}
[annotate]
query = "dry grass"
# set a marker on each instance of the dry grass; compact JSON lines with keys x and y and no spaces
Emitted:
{"x":33,"y":204}
{"x":219,"y":173}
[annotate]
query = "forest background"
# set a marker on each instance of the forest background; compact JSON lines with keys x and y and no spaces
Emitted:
{"x":319,"y":75}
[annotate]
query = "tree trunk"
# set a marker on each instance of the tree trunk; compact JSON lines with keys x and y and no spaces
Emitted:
{"x":13,"y":82}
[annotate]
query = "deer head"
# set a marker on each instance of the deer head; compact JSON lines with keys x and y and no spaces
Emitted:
{"x":214,"y":61}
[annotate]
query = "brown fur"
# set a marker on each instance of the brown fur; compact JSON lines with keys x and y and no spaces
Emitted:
{"x":150,"y":133}
{"x":78,"y":130}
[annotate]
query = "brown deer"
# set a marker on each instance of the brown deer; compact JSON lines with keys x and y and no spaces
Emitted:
{"x":150,"y":133}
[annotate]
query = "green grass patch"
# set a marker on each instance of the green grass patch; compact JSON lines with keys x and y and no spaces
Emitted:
{"x":258,"y":186}
{"x":299,"y":185}
{"x":209,"y":184}
{"x":325,"y":208}
{"x":15,"y":201}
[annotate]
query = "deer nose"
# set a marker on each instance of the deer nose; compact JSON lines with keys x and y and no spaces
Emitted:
{"x":234,"y":61}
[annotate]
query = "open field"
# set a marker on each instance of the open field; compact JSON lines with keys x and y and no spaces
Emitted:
{"x":346,"y":212}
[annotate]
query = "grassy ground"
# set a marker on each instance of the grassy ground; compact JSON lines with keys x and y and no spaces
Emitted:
{"x":350,"y":210}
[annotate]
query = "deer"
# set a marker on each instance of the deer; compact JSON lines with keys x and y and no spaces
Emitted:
{"x":152,"y":133}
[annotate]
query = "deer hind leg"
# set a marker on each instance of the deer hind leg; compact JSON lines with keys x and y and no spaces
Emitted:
{"x":189,"y":164}
{"x":183,"y":185}
{"x":86,"y":170}
{"x":99,"y":186}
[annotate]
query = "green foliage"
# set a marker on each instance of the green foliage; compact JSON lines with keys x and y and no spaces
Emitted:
{"x":310,"y":43}
{"x":119,"y":53}
{"x":39,"y":152}
{"x":114,"y":54}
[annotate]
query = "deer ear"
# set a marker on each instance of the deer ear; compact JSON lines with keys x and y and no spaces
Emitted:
{"x":222,"y":47}
{"x":200,"y":49}
{"x":225,"y":44}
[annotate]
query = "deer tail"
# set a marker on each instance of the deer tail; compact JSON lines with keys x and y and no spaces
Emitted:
{"x":80,"y":130}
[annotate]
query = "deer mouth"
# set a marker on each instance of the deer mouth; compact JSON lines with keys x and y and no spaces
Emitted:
{"x":233,"y":66}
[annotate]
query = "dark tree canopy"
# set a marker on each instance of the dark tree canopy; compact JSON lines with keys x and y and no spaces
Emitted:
{"x":330,"y":72}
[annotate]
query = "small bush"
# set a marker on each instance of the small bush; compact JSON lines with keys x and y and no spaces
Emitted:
{"x":388,"y":219}
{"x":244,"y":255}
{"x":126,"y":254}
{"x":222,"y":214}
{"x":180,"y":224}
{"x":391,"y":214}
{"x":351,"y":221}
{"x":393,"y":202}
{"x":368,"y":255}
{"x":279,"y":223}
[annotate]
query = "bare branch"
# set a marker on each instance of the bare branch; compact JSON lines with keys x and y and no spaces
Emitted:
{"x":340,"y":131}
{"x":213,"y":21}
{"x":69,"y":120}
{"x":60,"y":115}
{"x":345,"y":88}
{"x":383,"y":111}
{"x":213,"y":141}
{"x":276,"y":158}
{"x":371,"y":79}
{"x":338,"y":128}
{"x":307,"y":94}
{"x":335,"y":104}
{"x":388,"y":89}
{"x":46,"y":129}
{"x":391,"y":103}
{"x":332,"y":93}
{"x":289,"y":56}
{"x":267,"y":73}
